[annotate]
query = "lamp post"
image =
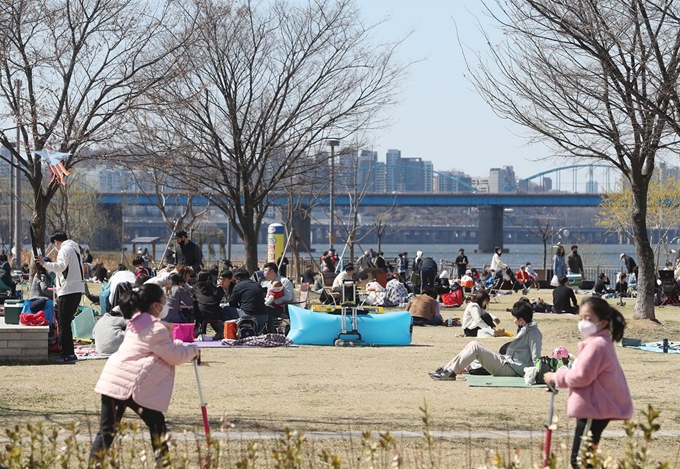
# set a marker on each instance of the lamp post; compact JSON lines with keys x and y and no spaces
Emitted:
{"x":333,"y":143}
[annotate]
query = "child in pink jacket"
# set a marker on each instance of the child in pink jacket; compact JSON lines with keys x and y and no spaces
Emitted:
{"x":141,"y":374}
{"x":598,"y":391}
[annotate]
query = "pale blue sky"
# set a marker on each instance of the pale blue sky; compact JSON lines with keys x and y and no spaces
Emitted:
{"x":440,"y":117}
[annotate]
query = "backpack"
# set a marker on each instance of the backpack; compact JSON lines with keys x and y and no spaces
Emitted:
{"x":546,"y":365}
{"x":454,"y":298}
{"x":246,"y":327}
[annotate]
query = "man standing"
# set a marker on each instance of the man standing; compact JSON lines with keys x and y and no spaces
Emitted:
{"x":575,"y":263}
{"x":629,"y":262}
{"x":187,"y":252}
{"x":461,"y":263}
{"x":69,"y":289}
{"x":428,"y":272}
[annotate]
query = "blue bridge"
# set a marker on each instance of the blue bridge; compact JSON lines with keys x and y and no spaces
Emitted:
{"x":491,"y":206}
{"x":388,"y":200}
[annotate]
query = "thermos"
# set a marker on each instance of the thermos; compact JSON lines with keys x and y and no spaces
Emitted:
{"x":665,"y":345}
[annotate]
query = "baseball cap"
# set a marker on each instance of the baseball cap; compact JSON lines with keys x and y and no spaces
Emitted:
{"x":180,"y":234}
{"x":622,"y":255}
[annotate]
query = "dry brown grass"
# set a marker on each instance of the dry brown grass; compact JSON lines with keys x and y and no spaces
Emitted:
{"x":328,"y":388}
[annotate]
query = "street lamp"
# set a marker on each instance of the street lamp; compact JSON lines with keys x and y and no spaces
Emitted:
{"x":333,"y":143}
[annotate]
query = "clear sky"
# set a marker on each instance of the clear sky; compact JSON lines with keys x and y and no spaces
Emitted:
{"x":440,"y":117}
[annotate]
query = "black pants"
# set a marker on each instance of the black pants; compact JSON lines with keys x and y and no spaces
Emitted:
{"x":427,"y":277}
{"x":67,"y":306}
{"x":111,"y":416}
{"x":596,"y":428}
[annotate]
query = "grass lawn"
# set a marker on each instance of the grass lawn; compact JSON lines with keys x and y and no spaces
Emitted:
{"x":374,"y":388}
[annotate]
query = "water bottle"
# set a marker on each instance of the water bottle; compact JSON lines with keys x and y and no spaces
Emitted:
{"x":449,"y":322}
{"x":665,"y":345}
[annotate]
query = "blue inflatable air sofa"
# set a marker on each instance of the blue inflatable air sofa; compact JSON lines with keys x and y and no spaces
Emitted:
{"x":311,"y":328}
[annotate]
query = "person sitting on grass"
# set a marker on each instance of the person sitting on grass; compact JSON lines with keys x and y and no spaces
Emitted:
{"x":564,"y":299}
{"x":522,"y":352}
{"x":477,"y":322}
{"x":424,"y":309}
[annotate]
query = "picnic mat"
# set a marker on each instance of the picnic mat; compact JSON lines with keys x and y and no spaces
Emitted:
{"x":89,"y":353}
{"x":489,"y":381}
{"x":262,"y":341}
{"x":657,"y":347}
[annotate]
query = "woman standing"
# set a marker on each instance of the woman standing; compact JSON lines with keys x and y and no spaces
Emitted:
{"x":559,"y":263}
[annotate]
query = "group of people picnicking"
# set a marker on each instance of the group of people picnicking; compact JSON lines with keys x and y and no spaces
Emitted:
{"x":143,"y":303}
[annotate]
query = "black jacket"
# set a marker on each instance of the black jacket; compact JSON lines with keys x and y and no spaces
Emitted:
{"x":249,"y":296}
{"x":189,"y":254}
{"x":207,"y":304}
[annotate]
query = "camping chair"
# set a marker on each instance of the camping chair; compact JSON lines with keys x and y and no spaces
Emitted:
{"x":670,"y":290}
{"x":83,"y":324}
{"x":281,"y":324}
{"x":328,"y":293}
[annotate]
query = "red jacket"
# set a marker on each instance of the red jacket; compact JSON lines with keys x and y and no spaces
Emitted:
{"x":522,"y":276}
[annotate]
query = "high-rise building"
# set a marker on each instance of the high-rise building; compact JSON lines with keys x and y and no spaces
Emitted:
{"x":446,"y":182}
{"x":392,"y":163}
{"x":501,"y":179}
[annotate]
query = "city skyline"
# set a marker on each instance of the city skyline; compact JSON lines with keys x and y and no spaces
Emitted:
{"x":440,"y":118}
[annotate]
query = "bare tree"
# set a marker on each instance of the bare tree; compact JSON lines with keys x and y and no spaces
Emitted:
{"x":75,"y":208}
{"x":593,"y":80}
{"x":70,"y":72}
{"x":267,"y":84}
{"x":544,"y":230}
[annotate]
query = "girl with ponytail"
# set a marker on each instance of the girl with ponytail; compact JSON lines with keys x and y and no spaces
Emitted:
{"x":141,"y":374}
{"x":598,"y":391}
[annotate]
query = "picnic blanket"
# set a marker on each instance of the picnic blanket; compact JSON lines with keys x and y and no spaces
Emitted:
{"x":656,"y":347}
{"x":261,"y":341}
{"x":89,"y":353}
{"x":487,"y":381}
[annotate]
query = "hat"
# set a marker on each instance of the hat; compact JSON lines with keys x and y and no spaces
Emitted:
{"x":468,"y":272}
{"x":180,"y":234}
{"x":622,"y":255}
{"x":444,"y":274}
{"x":461,"y":250}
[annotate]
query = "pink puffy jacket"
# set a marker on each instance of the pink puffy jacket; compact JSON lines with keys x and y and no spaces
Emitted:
{"x":144,"y":366}
{"x":597,"y":385}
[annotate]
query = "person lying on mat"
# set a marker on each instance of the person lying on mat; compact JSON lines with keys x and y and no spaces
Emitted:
{"x":477,"y":322}
{"x":522,"y":352}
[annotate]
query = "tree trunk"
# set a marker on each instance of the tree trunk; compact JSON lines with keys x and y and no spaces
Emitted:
{"x":646,"y":281}
{"x":545,"y":255}
{"x":38,"y":222}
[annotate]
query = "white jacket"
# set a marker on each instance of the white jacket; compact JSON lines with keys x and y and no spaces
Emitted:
{"x":69,"y":269}
{"x":497,"y":264}
{"x":472,"y":318}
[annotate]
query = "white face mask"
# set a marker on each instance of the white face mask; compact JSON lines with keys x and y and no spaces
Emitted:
{"x":164,"y":312}
{"x":587,"y":328}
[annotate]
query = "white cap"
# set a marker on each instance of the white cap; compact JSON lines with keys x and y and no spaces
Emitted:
{"x":469,"y":272}
{"x":444,"y":274}
{"x":622,"y":255}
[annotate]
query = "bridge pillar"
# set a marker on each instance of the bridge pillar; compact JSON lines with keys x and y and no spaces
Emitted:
{"x":490,"y":228}
{"x":302,"y":227}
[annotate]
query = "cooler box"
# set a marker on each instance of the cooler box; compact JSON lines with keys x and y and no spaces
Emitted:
{"x":12,"y":312}
{"x":575,"y":280}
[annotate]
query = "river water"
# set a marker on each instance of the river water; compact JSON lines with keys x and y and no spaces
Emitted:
{"x":603,"y":255}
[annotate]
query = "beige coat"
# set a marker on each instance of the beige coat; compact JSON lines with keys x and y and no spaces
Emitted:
{"x":144,"y":366}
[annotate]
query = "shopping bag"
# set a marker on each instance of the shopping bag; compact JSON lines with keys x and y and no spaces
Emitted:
{"x":183,"y":332}
{"x":555,"y":281}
